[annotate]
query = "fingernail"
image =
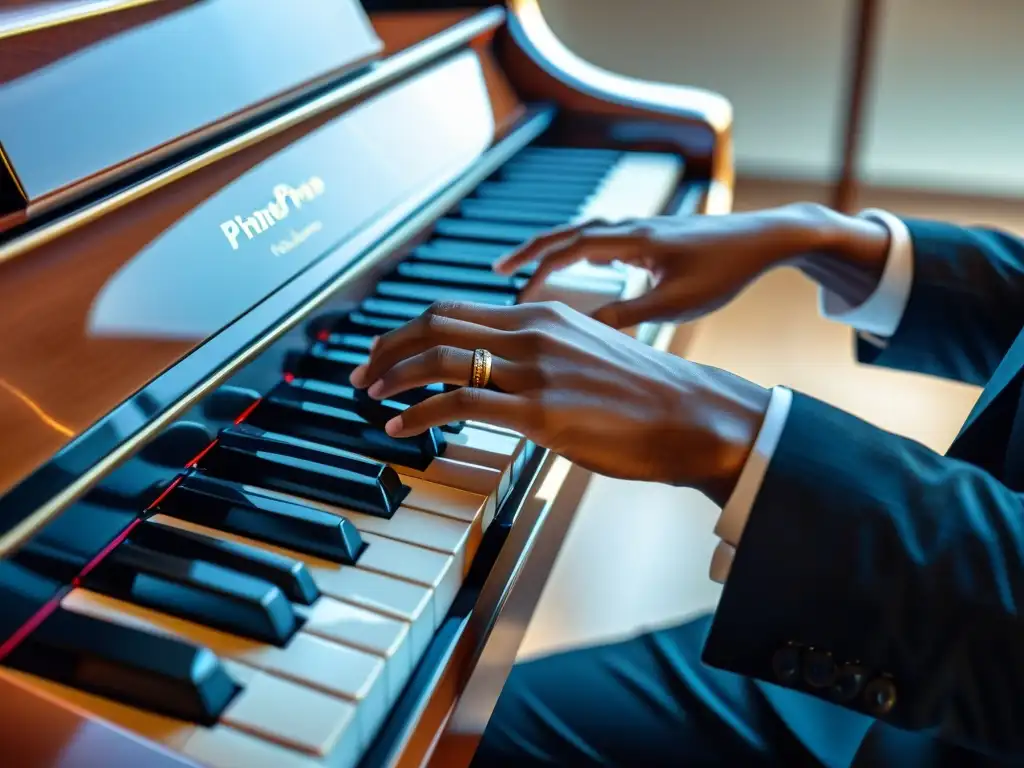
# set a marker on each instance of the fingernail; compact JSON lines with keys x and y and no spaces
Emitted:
{"x":373,"y":343}
{"x":375,"y":389}
{"x":394,"y":426}
{"x":356,"y":377}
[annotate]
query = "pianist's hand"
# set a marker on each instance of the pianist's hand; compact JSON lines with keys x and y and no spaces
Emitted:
{"x":701,"y":262}
{"x":593,"y":394}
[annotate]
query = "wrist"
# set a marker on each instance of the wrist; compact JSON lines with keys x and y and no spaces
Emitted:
{"x":732,"y":419}
{"x":816,"y":233}
{"x":845,"y":255}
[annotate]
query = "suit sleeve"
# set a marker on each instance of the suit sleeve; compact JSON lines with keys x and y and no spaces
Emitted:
{"x":965,"y":308}
{"x":882,"y":576}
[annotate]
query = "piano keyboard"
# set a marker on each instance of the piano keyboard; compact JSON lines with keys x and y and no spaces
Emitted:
{"x":270,"y":608}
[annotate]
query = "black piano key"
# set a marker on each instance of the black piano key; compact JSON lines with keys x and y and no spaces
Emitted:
{"x":366,"y":325}
{"x":74,"y":538}
{"x":428,"y":294}
{"x":487,"y":231}
{"x":23,"y":592}
{"x":537,"y":193}
{"x":493,"y":251}
{"x":561,"y":162}
{"x":348,"y":341}
{"x":404,"y":310}
{"x":512,"y":213}
{"x":554,"y":175}
{"x":569,"y":153}
{"x":335,"y":365}
{"x":284,"y":411}
{"x":250,"y":455}
{"x":461,"y":260}
{"x":377,"y":412}
{"x":292,"y":577}
{"x":146,"y":670}
{"x":233,"y":508}
{"x":414,"y":396}
{"x":195,"y":590}
{"x":326,"y":361}
{"x":458,"y":277}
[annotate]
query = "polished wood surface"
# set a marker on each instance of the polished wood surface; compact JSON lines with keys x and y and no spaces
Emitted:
{"x":687,"y":120}
{"x":58,"y":374}
{"x":38,"y":730}
{"x":400,"y":29}
{"x":206,"y":67}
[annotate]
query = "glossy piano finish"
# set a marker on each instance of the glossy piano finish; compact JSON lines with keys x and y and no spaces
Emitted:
{"x":139,"y":290}
{"x":602,"y":108}
{"x":208,"y":65}
{"x":40,"y":731}
{"x":475,"y":645}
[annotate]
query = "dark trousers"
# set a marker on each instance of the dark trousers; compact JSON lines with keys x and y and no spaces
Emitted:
{"x":649,"y":701}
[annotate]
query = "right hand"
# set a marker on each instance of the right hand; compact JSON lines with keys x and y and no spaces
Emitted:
{"x":699,"y":263}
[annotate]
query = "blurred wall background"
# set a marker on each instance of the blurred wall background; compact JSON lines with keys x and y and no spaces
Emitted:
{"x":946,"y":110}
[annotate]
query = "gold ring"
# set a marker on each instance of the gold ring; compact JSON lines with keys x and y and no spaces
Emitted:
{"x":481,"y":375}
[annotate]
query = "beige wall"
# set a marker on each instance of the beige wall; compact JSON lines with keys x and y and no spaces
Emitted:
{"x":950,"y":76}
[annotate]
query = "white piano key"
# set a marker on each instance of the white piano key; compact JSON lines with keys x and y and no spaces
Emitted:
{"x":228,"y":748}
{"x":640,"y":185}
{"x":386,"y":595}
{"x":292,"y":715}
{"x":423,"y":529}
{"x":486,"y":449}
{"x":459,"y":475}
{"x":404,"y":556}
{"x":332,"y":668}
{"x":443,"y":499}
{"x":368,"y":631}
{"x":389,"y":596}
{"x":415,"y":564}
{"x":271,"y":723}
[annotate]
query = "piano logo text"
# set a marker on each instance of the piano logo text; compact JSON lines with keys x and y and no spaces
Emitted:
{"x":286,"y":199}
{"x":296,"y":238}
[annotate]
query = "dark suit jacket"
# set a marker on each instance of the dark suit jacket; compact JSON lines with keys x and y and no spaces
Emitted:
{"x":880,"y":575}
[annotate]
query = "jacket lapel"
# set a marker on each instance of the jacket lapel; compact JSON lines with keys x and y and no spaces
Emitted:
{"x":1005,"y":373}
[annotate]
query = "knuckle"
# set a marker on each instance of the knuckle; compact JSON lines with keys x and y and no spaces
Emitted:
{"x":443,"y":308}
{"x":439,"y":358}
{"x":467,"y":397}
{"x":534,"y":341}
{"x":552,"y":310}
{"x":434,"y":323}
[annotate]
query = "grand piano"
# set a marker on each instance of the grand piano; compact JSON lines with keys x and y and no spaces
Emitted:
{"x":210,"y":552}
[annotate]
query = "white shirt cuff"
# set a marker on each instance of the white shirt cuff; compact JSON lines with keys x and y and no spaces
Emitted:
{"x":737,"y":509}
{"x":880,"y":314}
{"x":721,"y":562}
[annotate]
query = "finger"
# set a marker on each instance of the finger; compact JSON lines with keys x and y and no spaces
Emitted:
{"x":533,"y":249}
{"x":654,"y":305}
{"x":596,"y":252}
{"x":558,"y":240}
{"x":468,"y":326}
{"x":449,"y":365}
{"x":497,"y":408}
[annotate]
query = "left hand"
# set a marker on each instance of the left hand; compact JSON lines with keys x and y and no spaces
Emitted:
{"x":569,"y":383}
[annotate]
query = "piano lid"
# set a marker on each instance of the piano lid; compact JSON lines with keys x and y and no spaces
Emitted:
{"x":92,"y":98}
{"x":92,"y":317}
